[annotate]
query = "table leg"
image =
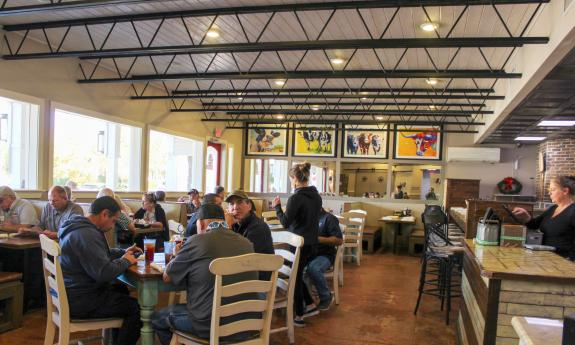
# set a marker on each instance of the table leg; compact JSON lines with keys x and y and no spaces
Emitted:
{"x":148,"y":298}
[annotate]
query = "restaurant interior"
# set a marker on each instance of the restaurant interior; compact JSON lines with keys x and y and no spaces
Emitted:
{"x":423,"y":121}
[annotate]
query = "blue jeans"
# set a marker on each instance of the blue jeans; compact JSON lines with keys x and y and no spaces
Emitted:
{"x":172,"y":317}
{"x":315,"y":269}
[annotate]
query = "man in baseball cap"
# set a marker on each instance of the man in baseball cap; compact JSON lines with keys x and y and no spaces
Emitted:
{"x":249,"y":225}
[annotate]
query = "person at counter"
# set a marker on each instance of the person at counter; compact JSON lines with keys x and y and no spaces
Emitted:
{"x":398,"y":192}
{"x":557,"y":222}
{"x":15,"y":212}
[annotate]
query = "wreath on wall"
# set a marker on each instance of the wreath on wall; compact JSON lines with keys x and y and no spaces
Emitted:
{"x":509,"y":185}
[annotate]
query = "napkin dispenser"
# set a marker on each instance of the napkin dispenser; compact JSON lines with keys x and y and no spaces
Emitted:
{"x":534,"y":237}
{"x":488,"y":232}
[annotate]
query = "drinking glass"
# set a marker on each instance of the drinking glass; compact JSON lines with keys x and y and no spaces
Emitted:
{"x":149,"y":250}
{"x":168,"y":251}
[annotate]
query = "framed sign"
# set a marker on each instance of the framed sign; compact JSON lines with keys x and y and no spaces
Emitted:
{"x":368,"y":141}
{"x":421,"y":142}
{"x":263,"y":141}
{"x":321,"y":141}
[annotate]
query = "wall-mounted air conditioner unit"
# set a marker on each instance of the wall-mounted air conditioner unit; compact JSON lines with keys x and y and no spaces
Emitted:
{"x":473,"y":154}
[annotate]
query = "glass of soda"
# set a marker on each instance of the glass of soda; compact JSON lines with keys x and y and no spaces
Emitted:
{"x":149,"y":250}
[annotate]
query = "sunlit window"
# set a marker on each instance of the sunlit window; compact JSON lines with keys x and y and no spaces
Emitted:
{"x":267,"y":175}
{"x":175,"y":163}
{"x":91,"y":153}
{"x":18,"y":144}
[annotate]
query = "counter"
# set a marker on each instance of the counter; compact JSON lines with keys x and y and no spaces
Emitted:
{"x":499,"y":283}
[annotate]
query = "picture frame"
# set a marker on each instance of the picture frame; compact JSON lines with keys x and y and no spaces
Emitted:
{"x":418,"y":143}
{"x":266,"y":140}
{"x":321,"y":141}
{"x":367,"y":141}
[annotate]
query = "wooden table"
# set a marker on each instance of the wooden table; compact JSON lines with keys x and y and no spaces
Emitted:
{"x":276,"y":227}
{"x":24,"y":246}
{"x":398,"y":222}
{"x":538,"y":331}
{"x":148,"y":282}
{"x":149,"y":230}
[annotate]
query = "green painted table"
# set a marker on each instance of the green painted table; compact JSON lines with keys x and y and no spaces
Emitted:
{"x":148,"y":282}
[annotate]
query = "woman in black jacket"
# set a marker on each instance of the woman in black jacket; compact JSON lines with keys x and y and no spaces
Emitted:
{"x":153,"y":214}
{"x":302,"y":218}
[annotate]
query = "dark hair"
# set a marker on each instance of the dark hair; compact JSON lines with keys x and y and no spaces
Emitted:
{"x":566,"y":182}
{"x":300,"y":172}
{"x":160,"y":195}
{"x":210,"y":198}
{"x":150,"y":197}
{"x":218,"y":189}
{"x":193,"y":191}
{"x":400,"y":187}
{"x":104,"y":203}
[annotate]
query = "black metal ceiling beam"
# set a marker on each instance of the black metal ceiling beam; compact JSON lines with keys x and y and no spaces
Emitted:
{"x":357,"y":90}
{"x":357,"y":129}
{"x":262,"y":9}
{"x":390,"y":104}
{"x":346,"y":122}
{"x":69,"y":5}
{"x":322,"y":96}
{"x":393,"y":43}
{"x":477,"y":74}
{"x":335,"y":111}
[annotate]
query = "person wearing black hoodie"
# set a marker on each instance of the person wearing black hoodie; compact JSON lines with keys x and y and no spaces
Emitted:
{"x":90,"y":267}
{"x":301,"y":218}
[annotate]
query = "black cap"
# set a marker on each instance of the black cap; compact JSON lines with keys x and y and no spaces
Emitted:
{"x":211,"y":211}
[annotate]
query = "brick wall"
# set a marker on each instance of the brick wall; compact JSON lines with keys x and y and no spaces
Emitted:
{"x":560,"y":160}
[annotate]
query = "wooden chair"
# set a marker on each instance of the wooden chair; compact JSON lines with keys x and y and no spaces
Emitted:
{"x":336,"y":272}
{"x":287,"y":277}
{"x":12,"y":294}
{"x":270,"y":217}
{"x":233,"y":265}
{"x":57,"y":301}
{"x":353,"y":228}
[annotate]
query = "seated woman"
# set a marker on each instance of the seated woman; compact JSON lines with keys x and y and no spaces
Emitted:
{"x":153,"y":214}
{"x":124,"y":229}
{"x":557,"y":222}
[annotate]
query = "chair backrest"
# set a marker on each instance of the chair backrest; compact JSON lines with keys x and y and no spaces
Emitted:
{"x":239,"y":264}
{"x":270,"y":217}
{"x":286,"y":282}
{"x":57,"y":300}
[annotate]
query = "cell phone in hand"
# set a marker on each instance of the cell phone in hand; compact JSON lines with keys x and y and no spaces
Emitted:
{"x":508,"y":210}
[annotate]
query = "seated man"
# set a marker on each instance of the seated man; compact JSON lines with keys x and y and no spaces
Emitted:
{"x":192,"y":228}
{"x":329,"y":236}
{"x":15,"y":213}
{"x":249,"y":225}
{"x":55,"y":213}
{"x":89,"y":267}
{"x":189,"y":269}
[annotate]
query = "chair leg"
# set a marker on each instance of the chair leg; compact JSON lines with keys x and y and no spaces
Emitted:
{"x":64,"y":336}
{"x":448,"y":292}
{"x":289,"y":323}
{"x":421,"y":283}
{"x":50,"y":333}
{"x":174,"y":340}
{"x":336,"y":287}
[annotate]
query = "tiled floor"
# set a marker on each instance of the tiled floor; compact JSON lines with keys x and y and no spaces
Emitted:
{"x":376,"y":307}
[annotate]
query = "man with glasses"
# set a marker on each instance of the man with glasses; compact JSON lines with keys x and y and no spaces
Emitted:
{"x":55,"y":213}
{"x":90,"y":268}
{"x":15,"y":213}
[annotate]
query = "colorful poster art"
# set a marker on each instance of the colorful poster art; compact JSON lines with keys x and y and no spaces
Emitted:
{"x":423,"y":142}
{"x":316,"y":142}
{"x":369,"y":141}
{"x":263,"y":141}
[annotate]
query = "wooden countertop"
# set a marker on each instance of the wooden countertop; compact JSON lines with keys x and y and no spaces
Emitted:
{"x":536,"y":331}
{"x":496,"y":262}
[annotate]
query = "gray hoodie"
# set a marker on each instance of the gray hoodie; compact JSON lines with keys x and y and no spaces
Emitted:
{"x":88,"y":264}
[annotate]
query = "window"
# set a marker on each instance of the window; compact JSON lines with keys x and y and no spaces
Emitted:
{"x":175,"y":163}
{"x":19,"y":143}
{"x":267,"y":175}
{"x":321,"y":175}
{"x":367,"y":180}
{"x":92,"y":153}
{"x":421,"y":182}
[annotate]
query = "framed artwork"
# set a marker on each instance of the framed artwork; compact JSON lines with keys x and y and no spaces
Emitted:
{"x":321,"y":141}
{"x":368,"y":141}
{"x":421,"y":142}
{"x":263,"y":141}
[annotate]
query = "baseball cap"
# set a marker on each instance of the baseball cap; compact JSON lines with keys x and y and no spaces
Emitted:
{"x":211,"y":211}
{"x":238,"y":193}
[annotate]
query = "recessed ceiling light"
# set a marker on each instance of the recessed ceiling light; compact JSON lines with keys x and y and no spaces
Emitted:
{"x":431,"y":81}
{"x":379,"y":117}
{"x":556,"y":123}
{"x":530,"y":138}
{"x":365,"y":93}
{"x":240,"y":98}
{"x":429,"y":26}
{"x":280,"y":82}
{"x":213,"y":33}
{"x":432,"y":107}
{"x":364,"y":98}
{"x":279,"y":116}
{"x":315,"y":107}
{"x":337,"y":61}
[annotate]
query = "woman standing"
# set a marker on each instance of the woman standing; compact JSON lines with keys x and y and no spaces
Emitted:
{"x":153,"y":214}
{"x":558,"y":222}
{"x":302,"y":218}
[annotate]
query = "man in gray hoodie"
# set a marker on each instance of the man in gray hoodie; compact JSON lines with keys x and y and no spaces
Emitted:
{"x":90,"y":267}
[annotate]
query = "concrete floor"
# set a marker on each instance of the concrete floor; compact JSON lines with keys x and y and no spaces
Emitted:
{"x":376,"y":307}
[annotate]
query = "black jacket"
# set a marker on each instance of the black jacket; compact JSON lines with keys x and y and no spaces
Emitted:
{"x":160,"y":217}
{"x":559,"y":231}
{"x":302,"y":214}
{"x":258,"y":232}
